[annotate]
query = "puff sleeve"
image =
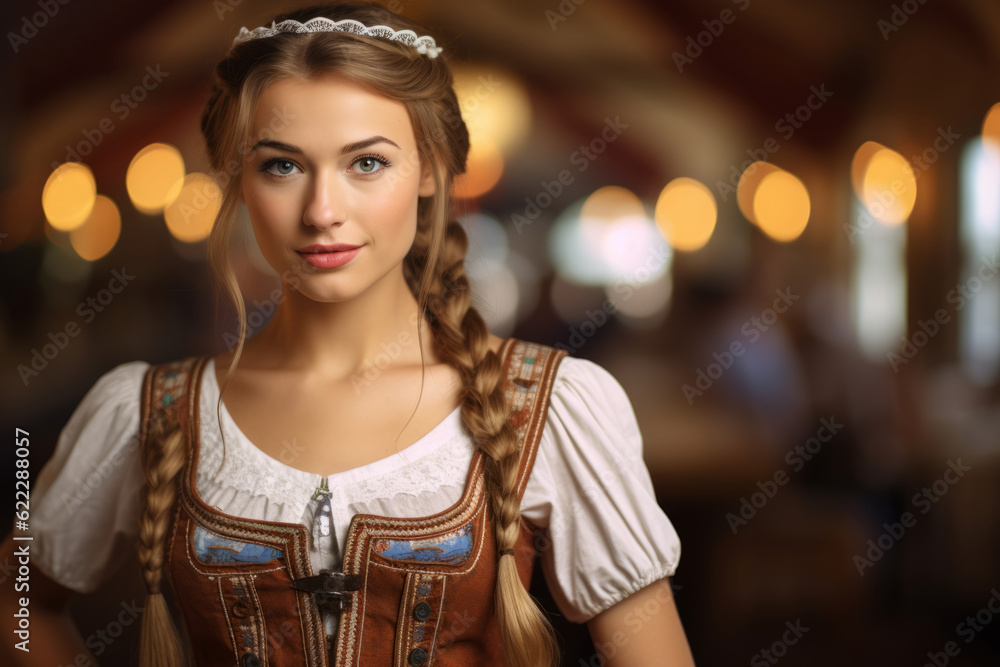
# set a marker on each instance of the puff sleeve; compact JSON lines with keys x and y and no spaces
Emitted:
{"x":85,"y":502}
{"x":607,"y":535}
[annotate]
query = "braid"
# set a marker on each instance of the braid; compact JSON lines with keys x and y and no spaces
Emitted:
{"x":162,"y":459}
{"x":462,"y":339}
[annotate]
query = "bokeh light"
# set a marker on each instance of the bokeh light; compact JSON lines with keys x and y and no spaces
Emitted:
{"x":99,"y":233}
{"x":601,"y":251}
{"x":191,"y":216}
{"x":494,"y":104}
{"x":781,"y":206}
{"x":884,"y":182}
{"x":611,"y":203}
{"x":746,"y":189}
{"x":68,"y":195}
{"x":889,"y":189}
{"x":483,"y":170}
{"x":991,"y":125}
{"x":155,"y":177}
{"x":774,"y":200}
{"x":686,"y":214}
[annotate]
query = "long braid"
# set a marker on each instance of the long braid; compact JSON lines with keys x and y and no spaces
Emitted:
{"x":462,"y":339}
{"x":162,"y":459}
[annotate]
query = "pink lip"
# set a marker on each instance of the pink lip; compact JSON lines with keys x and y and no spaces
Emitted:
{"x":336,"y":247}
{"x":329,"y":259}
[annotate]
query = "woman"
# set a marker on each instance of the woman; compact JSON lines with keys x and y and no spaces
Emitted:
{"x":385,"y":440}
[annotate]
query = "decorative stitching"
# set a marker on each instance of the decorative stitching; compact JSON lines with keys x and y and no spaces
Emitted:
{"x":437,"y":622}
{"x":259,"y":626}
{"x":229,"y":623}
{"x":482,"y":531}
{"x":457,"y":545}
{"x":220,"y":570}
{"x":406,"y":602}
{"x":235,"y":563}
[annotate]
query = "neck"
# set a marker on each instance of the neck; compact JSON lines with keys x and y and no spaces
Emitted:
{"x":338,"y":339}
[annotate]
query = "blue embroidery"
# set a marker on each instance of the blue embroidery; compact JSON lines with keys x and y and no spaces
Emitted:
{"x":213,"y":549}
{"x":453,"y":548}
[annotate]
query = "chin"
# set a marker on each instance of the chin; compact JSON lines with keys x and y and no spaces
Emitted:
{"x":330,"y":293}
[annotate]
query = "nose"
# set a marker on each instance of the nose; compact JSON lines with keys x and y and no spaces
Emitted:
{"x":324,"y":205}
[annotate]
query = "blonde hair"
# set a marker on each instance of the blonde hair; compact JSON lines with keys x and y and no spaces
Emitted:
{"x":433,"y":269}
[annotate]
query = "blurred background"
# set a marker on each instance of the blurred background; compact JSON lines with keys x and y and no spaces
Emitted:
{"x":775,"y":223}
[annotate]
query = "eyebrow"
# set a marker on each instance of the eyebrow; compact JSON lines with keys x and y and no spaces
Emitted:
{"x":349,"y":148}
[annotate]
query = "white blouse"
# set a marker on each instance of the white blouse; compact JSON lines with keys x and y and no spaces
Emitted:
{"x":589,"y":486}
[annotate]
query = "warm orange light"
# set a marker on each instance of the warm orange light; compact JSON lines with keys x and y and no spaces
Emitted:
{"x":781,"y":206}
{"x":99,"y":233}
{"x":494,"y":104}
{"x":483,"y":170}
{"x":859,"y":163}
{"x":746,"y":189}
{"x":155,"y":177}
{"x":991,"y":124}
{"x":68,"y":195}
{"x":889,"y":190}
{"x":686,"y":214}
{"x":191,"y":216}
{"x":612,"y":202}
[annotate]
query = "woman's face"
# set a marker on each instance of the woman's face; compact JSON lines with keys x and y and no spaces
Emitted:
{"x":332,"y":164}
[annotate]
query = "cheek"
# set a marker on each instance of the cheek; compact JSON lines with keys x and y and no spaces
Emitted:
{"x":268,"y":226}
{"x":396,"y":212}
{"x":266,"y":219}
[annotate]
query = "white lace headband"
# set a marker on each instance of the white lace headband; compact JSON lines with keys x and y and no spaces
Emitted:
{"x":425,"y":44}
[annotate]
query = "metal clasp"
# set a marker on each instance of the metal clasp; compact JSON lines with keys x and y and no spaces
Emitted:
{"x":330,"y":588}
